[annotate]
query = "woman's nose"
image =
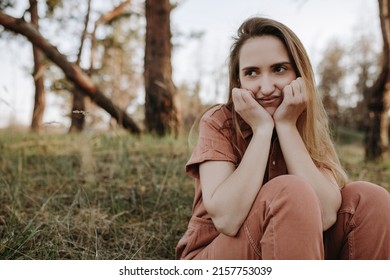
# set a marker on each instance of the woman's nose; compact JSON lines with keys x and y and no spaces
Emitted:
{"x":266,"y":85}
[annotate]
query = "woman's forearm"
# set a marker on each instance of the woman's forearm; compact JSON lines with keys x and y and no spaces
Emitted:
{"x":300,"y":163}
{"x":229,"y":203}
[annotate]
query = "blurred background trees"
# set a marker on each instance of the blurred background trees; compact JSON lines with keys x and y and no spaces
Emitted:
{"x":378,"y":103}
{"x":113,"y":67}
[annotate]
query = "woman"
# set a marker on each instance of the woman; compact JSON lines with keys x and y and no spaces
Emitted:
{"x":269,"y":184}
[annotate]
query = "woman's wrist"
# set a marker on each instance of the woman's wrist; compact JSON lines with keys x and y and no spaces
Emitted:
{"x":265,"y":130}
{"x":285,"y":125}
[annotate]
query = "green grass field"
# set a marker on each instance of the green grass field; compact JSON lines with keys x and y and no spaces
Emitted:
{"x":108,"y":196}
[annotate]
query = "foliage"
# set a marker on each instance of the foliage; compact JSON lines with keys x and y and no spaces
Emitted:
{"x":52,"y":5}
{"x":108,"y":196}
{"x":119,"y":68}
{"x":345,"y":77}
{"x":6,"y":4}
{"x":332,"y":73}
{"x":118,"y":61}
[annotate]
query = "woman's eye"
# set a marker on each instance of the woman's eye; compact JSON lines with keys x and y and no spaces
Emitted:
{"x":279,"y":69}
{"x":251,"y":73}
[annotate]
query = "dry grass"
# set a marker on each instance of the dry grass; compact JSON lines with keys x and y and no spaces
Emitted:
{"x":92,"y":197}
{"x":351,"y":154}
{"x":105,"y":196}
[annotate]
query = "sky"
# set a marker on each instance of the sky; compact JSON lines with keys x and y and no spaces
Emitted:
{"x":316,"y":22}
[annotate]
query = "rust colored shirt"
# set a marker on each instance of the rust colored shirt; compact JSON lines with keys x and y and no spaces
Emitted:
{"x":215,"y":143}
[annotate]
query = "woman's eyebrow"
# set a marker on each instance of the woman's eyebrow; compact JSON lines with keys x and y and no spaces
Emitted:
{"x":281,"y":63}
{"x":272,"y":65}
{"x":249,"y":68}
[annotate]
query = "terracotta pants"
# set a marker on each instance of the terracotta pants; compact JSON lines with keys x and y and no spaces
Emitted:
{"x":285,"y":223}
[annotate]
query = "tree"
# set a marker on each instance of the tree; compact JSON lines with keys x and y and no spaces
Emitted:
{"x":38,"y":68}
{"x":377,"y":139}
{"x":365,"y":64}
{"x":160,"y":111}
{"x":115,"y":58}
{"x":332,"y":73}
{"x":39,"y":97}
{"x":78,"y":102}
{"x":73,"y":72}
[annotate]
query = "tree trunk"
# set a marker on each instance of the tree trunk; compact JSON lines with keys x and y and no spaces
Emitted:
{"x":160,"y":110}
{"x":78,"y":112}
{"x":77,"y":115}
{"x":73,"y":72}
{"x":377,"y":141}
{"x":39,"y":97}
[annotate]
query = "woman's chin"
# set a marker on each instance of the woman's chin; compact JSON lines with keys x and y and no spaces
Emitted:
{"x":271,"y":110}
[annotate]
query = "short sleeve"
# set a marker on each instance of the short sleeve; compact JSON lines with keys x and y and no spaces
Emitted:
{"x":214,"y":142}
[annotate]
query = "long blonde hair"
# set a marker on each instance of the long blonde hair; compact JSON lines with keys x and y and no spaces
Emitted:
{"x":313,"y":123}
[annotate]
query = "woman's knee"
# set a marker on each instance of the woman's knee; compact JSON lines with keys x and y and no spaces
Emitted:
{"x":292,"y":185}
{"x":286,"y":193}
{"x":289,"y":204}
{"x":294,"y":204}
{"x":291,"y":188}
{"x":365,"y":194}
{"x":368,"y":209}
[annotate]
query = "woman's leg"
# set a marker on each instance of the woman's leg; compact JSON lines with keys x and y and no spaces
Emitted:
{"x":284,"y":223}
{"x":362,"y":229}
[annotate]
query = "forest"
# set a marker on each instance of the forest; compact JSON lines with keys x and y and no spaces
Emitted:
{"x":111,"y":184}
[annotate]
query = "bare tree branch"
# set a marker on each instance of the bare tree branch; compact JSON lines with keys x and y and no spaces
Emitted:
{"x":104,"y":19}
{"x":73,"y":72}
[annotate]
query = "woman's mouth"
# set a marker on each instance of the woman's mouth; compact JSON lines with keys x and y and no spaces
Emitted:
{"x":267,"y":101}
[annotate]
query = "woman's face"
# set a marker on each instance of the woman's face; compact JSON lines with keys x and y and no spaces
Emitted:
{"x":265,"y":69}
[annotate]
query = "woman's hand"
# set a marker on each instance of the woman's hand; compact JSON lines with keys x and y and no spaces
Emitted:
{"x":293,"y":105}
{"x":250,"y":110}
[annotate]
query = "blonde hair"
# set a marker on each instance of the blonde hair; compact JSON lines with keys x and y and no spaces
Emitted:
{"x":313,"y":123}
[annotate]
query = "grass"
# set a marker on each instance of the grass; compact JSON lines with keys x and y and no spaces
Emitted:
{"x":92,"y":197}
{"x":106,"y":196}
{"x":351,"y":152}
